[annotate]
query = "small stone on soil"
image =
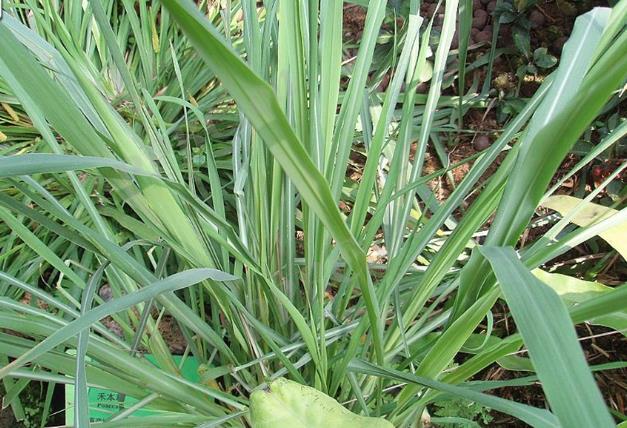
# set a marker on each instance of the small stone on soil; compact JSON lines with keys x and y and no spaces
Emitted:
{"x":483,"y":37}
{"x":480,"y":19}
{"x":505,"y":30}
{"x":105,"y":293}
{"x":536,"y":18}
{"x":482,"y":142}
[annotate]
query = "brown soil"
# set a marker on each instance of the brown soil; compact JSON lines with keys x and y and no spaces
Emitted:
{"x":354,"y":20}
{"x":6,"y":418}
{"x":601,"y":345}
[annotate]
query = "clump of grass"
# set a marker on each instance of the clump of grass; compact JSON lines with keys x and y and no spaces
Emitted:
{"x":215,"y":142}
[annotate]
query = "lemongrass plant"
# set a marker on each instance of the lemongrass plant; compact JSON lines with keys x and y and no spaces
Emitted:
{"x":192,"y":158}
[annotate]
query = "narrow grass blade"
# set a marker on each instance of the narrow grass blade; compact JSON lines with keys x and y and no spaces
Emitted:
{"x":37,"y":163}
{"x":81,"y":393}
{"x":172,"y":283}
{"x":533,"y":416}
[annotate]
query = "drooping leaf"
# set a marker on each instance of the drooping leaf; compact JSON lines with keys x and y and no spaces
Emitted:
{"x":533,"y":416}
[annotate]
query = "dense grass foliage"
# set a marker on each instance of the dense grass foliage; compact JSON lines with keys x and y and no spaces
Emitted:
{"x":182,"y":162}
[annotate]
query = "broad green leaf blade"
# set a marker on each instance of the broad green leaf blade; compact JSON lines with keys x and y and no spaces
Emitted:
{"x":547,"y":331}
{"x":615,"y":25}
{"x":583,"y":214}
{"x":531,"y":415}
{"x":287,"y":404}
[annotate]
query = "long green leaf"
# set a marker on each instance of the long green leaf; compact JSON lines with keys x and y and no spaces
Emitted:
{"x":531,"y":415}
{"x":546,"y":328}
{"x":37,"y":163}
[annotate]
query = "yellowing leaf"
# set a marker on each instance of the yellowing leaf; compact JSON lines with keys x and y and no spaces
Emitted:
{"x":11,"y":112}
{"x":589,"y":214}
{"x":156,"y":47}
{"x":575,"y":290}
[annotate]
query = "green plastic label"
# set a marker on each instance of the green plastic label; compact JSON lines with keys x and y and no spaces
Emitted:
{"x":104,"y":403}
